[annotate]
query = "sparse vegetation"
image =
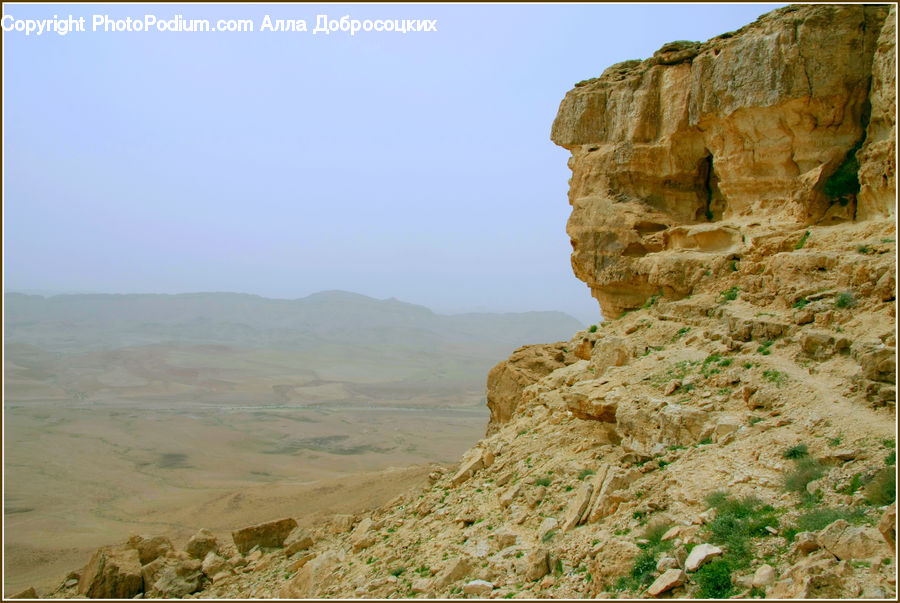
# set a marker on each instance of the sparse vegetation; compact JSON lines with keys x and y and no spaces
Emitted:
{"x":775,"y":376}
{"x":805,"y":470}
{"x":845,"y":299}
{"x":802,"y":240}
{"x":714,"y":579}
{"x":882,"y":490}
{"x":680,"y":333}
{"x":801,"y":303}
{"x":542,"y":481}
{"x":796,"y":452}
{"x":764,"y":348}
{"x":643,"y":569}
{"x":813,"y":520}
{"x":864,"y":249}
{"x":737,"y":522}
{"x":585,"y":473}
{"x":729,"y":294}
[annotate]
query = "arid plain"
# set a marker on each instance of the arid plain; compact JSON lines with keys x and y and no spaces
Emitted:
{"x":161,"y":424}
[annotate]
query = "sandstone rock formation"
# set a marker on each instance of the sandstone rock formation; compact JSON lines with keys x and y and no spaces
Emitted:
{"x":507,"y":380}
{"x":678,"y":158}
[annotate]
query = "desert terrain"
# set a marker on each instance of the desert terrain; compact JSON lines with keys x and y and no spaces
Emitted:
{"x":157,"y":421}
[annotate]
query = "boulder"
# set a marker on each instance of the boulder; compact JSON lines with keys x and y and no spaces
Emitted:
{"x":578,"y":506}
{"x":176,"y":577}
{"x":763,"y":576}
{"x":149,"y":548}
{"x":307,"y":582}
{"x":526,"y":366}
{"x":534,"y":565}
{"x":848,"y":542}
{"x":112,"y":573}
{"x":201,"y":543}
{"x":505,"y":537}
{"x":668,"y":580}
{"x":456,"y":570}
{"x":471,"y":462}
{"x":806,"y":542}
{"x":298,"y":539}
{"x":213,"y":565}
{"x":271,"y":534}
{"x":700,"y":555}
{"x":28,"y":593}
{"x":666,"y":563}
{"x":888,"y":526}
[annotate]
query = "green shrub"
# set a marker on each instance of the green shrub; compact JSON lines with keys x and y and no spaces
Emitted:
{"x":546,"y":537}
{"x":854,"y":485}
{"x":814,"y":520}
{"x":802,"y":240}
{"x":764,"y":347}
{"x":891,"y":458}
{"x":714,"y":580}
{"x":801,"y":303}
{"x":805,"y":470}
{"x":864,"y":249}
{"x":774,"y":376}
{"x":653,"y":535}
{"x":796,"y":452}
{"x":585,"y":473}
{"x":593,"y":329}
{"x":845,"y":299}
{"x":730,"y":294}
{"x":643,"y":571}
{"x":882,"y":490}
{"x":542,"y":481}
{"x":836,"y":440}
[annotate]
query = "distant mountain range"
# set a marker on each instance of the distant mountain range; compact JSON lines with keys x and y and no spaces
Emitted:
{"x":78,"y":323}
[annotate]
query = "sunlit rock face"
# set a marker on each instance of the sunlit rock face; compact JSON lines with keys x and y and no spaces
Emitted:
{"x":680,"y":160}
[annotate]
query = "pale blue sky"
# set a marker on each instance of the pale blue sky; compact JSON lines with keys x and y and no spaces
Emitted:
{"x":415,"y":166}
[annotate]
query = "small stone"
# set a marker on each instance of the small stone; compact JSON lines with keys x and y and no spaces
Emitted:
{"x":478,"y":587}
{"x":301,"y":561}
{"x":764,"y":576}
{"x":671,"y":533}
{"x":666,"y":563}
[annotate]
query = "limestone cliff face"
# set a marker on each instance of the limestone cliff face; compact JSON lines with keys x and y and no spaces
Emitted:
{"x":678,"y":161}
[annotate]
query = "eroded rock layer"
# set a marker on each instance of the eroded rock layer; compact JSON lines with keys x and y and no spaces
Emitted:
{"x":681,"y":159}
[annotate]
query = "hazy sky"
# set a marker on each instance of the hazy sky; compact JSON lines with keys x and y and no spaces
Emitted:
{"x":415,"y":166}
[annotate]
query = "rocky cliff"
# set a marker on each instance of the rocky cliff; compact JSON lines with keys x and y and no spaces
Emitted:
{"x":730,"y":429}
{"x":703,"y":148}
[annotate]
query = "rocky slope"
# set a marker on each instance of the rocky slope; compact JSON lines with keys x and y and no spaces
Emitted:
{"x":731,"y":429}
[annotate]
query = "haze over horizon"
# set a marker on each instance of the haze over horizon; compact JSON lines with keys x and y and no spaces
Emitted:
{"x":411,"y":166}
